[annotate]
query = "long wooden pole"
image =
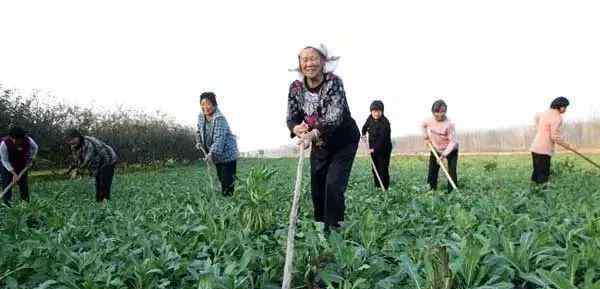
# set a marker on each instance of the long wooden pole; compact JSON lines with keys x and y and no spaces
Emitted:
{"x":581,"y":155}
{"x":442,"y":166}
{"x":207,"y":162}
{"x":375,"y":168}
{"x":289,"y":251}
{"x":13,"y":183}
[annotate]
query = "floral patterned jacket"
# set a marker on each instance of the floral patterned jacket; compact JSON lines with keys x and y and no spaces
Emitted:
{"x":325,"y":109}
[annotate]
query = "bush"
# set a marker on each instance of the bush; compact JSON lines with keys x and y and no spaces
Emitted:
{"x":138,"y":137}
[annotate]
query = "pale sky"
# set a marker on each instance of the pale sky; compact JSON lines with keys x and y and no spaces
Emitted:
{"x":496,"y":63}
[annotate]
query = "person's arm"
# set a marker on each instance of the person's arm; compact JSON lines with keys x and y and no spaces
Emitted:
{"x":198,"y":130}
{"x":425,"y":130}
{"x":200,"y":141}
{"x":88,"y":150}
{"x":387,"y":133}
{"x":555,"y":134}
{"x":365,"y":126}
{"x":336,"y":109}
{"x":221,"y":129}
{"x":388,"y":130}
{"x":74,"y":160}
{"x":5,"y":159}
{"x":71,"y":168}
{"x":452,"y":137}
{"x":113,"y":155}
{"x":33,"y":150}
{"x":295,"y":115}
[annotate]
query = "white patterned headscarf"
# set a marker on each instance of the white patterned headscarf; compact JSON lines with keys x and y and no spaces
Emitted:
{"x":330,"y":61}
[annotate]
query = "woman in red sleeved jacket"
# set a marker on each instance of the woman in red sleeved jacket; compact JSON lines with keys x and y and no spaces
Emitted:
{"x":318,"y":113}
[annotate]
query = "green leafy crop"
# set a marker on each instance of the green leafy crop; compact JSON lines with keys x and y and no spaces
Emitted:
{"x":167,"y":229}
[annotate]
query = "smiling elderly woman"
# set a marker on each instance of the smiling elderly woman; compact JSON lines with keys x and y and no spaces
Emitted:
{"x":318,"y":113}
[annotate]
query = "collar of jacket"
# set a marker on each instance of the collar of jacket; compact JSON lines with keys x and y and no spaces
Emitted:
{"x":202,"y":121}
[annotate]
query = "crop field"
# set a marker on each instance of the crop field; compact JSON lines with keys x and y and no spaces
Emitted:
{"x":168,"y":229}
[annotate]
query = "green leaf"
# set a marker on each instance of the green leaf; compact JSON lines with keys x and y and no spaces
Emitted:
{"x":534,"y":278}
{"x":46,"y":284}
{"x":556,"y":279}
{"x":249,"y":254}
{"x":501,"y":285}
{"x":329,"y":277}
{"x":230,"y":269}
{"x":11,"y":283}
{"x":154,"y":271}
{"x":411,"y":269}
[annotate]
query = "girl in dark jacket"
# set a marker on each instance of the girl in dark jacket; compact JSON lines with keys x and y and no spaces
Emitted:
{"x":378,"y":129}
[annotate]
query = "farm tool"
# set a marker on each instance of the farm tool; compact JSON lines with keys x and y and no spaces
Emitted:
{"x":208,"y":165}
{"x":441,"y":163}
{"x":13,"y":182}
{"x":375,"y":168}
{"x":580,"y":154}
{"x":289,"y":251}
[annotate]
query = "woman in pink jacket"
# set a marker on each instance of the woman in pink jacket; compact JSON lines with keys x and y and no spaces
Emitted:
{"x":440,"y":132}
{"x":548,"y":124}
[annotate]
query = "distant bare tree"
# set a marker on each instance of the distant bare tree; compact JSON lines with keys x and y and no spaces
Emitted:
{"x":137,"y":136}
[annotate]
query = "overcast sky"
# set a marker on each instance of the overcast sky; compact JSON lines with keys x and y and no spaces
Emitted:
{"x":496,"y":63}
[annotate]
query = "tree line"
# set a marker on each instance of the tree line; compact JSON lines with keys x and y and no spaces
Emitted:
{"x":583,"y":134}
{"x":139,"y":137}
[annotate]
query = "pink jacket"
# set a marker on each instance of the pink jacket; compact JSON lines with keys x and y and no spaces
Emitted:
{"x":548,"y":125}
{"x":442,"y":134}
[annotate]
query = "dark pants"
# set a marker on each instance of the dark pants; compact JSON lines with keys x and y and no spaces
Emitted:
{"x":7,"y":178}
{"x":434,"y":169}
{"x":104,"y":179}
{"x":541,"y":168}
{"x":382,"y":163}
{"x":330,"y":172}
{"x":226,"y":173}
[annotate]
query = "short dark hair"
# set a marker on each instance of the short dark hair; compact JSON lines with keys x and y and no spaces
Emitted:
{"x":438,"y":104}
{"x":210,"y":96}
{"x":17,"y":132}
{"x":73,"y":133}
{"x":559,"y":102}
{"x":376,"y":105}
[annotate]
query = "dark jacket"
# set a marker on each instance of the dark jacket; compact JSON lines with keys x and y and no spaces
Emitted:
{"x":379,"y":134}
{"x":14,"y":157}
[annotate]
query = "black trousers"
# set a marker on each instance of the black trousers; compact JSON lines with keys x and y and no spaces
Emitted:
{"x":382,"y":163}
{"x":23,"y":184}
{"x":226,"y":173}
{"x":104,"y":179}
{"x":541,"y":168}
{"x":434,"y":169}
{"x":330,"y":172}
